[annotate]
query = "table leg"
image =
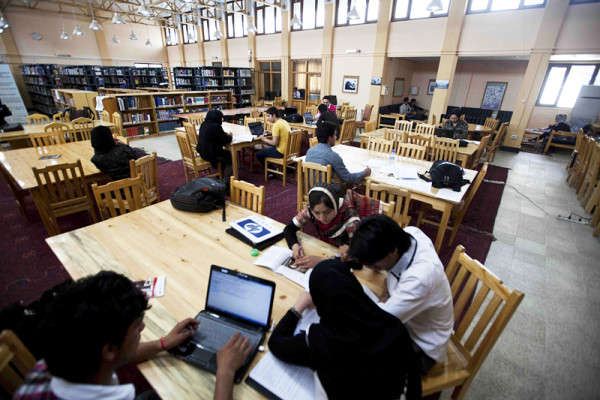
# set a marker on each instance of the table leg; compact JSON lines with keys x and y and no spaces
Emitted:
{"x":442,"y":228}
{"x":234,"y":161}
{"x":463,"y":158}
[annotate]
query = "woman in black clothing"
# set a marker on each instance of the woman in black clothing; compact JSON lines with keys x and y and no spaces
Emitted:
{"x":358,"y":350}
{"x":109,"y":156}
{"x":211,"y":140}
{"x":326,"y":115}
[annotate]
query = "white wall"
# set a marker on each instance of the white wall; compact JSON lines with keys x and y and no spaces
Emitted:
{"x":580,"y":30}
{"x":238,"y":52}
{"x":306,"y":44}
{"x":417,"y":38}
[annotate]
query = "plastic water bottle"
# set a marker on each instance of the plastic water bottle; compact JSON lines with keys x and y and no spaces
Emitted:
{"x":393,"y":155}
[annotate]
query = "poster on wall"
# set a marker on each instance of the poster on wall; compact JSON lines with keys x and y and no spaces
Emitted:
{"x":350,"y":84}
{"x":11,"y":97}
{"x":431,"y":86}
{"x":398,"y":87}
{"x":494,"y":93}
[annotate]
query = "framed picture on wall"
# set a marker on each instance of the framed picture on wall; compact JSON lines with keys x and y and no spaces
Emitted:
{"x":350,"y":84}
{"x":398,"y":87}
{"x":431,"y":86}
{"x":493,"y":96}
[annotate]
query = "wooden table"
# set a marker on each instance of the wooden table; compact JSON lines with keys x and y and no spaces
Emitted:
{"x":227,"y":113}
{"x":159,"y":240}
{"x":479,"y":129}
{"x":18,"y":164}
{"x":22,"y":138}
{"x":463,"y":156}
{"x":440,"y":199}
{"x":310,"y":128}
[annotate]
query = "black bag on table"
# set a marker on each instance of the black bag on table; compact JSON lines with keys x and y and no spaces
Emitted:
{"x":445,"y":174}
{"x":294,"y":118}
{"x":86,"y":112}
{"x":199,"y":195}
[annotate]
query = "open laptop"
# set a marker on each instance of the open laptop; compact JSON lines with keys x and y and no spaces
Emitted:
{"x":308,"y":118}
{"x":444,"y":133}
{"x":235,"y":302}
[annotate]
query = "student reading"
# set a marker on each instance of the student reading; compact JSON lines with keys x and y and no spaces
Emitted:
{"x":109,"y":156}
{"x":211,"y":140}
{"x":358,"y":350}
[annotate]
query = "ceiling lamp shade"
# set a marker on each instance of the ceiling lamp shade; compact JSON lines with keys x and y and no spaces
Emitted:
{"x":251,"y":26}
{"x":434,"y":5}
{"x":115,"y":39}
{"x":144,"y":10}
{"x":148,"y":42}
{"x":95,"y":26}
{"x":132,"y":35}
{"x":118,"y":19}
{"x":3,"y":22}
{"x":217,"y":34}
{"x":77,"y":30}
{"x":64,"y":35}
{"x":353,"y":14}
{"x":295,"y":22}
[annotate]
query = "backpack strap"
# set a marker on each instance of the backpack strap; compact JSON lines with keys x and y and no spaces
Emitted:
{"x":422,"y":176}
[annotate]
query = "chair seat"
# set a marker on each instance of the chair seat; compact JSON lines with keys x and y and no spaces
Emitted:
{"x":360,"y":124}
{"x":450,"y":373}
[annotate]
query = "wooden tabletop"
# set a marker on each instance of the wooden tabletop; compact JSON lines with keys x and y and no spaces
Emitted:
{"x":159,"y":240}
{"x":227,"y":113}
{"x":28,"y":130}
{"x":19,"y":162}
{"x":479,"y":128}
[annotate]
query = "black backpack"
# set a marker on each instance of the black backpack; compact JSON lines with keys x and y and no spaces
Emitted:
{"x":297,"y":118}
{"x":86,"y":112}
{"x":199,"y":195}
{"x":445,"y":174}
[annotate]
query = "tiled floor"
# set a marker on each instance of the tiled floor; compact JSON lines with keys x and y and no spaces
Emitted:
{"x":551,"y":347}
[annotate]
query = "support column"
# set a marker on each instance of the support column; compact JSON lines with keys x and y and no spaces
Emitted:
{"x":286,"y":76}
{"x":380,"y":51}
{"x":449,"y":58}
{"x":253,"y":63}
{"x":13,"y":58}
{"x":224,"y":48}
{"x":180,"y":47}
{"x":103,"y":47}
{"x":169,"y":66}
{"x":327,"y":60}
{"x":554,"y":16}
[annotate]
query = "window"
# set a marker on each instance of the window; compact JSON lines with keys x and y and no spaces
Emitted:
{"x":563,"y":82}
{"x":236,"y":21}
{"x":416,"y":9}
{"x":368,"y":11}
{"x":189,"y":33}
{"x":311,"y":12}
{"x":209,"y":26}
{"x":306,"y":76}
{"x":584,"y":1}
{"x":268,"y":19}
{"x":269,"y":79}
{"x":171,"y":36}
{"x":483,"y":6}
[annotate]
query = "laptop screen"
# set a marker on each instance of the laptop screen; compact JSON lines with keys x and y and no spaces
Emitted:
{"x":240,"y":296}
{"x":308,"y":117}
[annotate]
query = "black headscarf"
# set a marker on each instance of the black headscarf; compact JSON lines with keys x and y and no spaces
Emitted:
{"x":212,"y":138}
{"x":213,"y":116}
{"x":102,"y":139}
{"x":359,"y":350}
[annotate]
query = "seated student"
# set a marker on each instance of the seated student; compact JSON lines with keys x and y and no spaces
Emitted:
{"x":328,"y":104}
{"x":417,"y":290}
{"x":357,"y":350}
{"x":109,"y":156}
{"x":406,"y":108}
{"x":281,"y":133}
{"x":413,"y":105}
{"x":322,"y":153}
{"x":92,"y":328}
{"x":211,"y":140}
{"x":297,"y":94}
{"x":459,"y":126}
{"x":560,"y":125}
{"x":325,"y":115}
{"x":418,"y":113}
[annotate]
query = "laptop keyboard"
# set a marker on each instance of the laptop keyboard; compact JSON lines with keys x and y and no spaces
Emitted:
{"x":214,"y":335}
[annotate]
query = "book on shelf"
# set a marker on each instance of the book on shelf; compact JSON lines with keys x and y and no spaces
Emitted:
{"x":167,"y":126}
{"x":128,"y":103}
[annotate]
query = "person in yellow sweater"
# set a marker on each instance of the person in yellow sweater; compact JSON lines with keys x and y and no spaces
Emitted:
{"x":281,"y":132}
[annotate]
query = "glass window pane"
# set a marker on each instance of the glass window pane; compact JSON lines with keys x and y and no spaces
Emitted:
{"x":277,"y":84}
{"x":276,"y":66}
{"x":320,"y":13}
{"x":314,"y":66}
{"x":308,"y":14}
{"x":265,"y":66}
{"x":552,"y":86}
{"x":361,"y":7}
{"x":260,"y":25}
{"x":418,"y":9}
{"x":278,"y":20}
{"x":479,"y":5}
{"x":373,"y":10}
{"x":300,"y":81}
{"x":342,"y":12}
{"x":299,"y":66}
{"x":238,"y":25}
{"x":401,"y":10}
{"x":579,"y":75}
{"x":597,"y":81}
{"x":533,"y":2}
{"x":314,"y":83}
{"x":230,"y":32}
{"x":505,"y":5}
{"x":269,"y":20}
{"x":205,"y":29}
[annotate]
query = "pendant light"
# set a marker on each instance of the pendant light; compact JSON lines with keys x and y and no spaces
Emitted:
{"x":64,"y":35}
{"x":217,"y":33}
{"x":295,"y":22}
{"x":95,"y":26}
{"x":132,"y":35}
{"x":117,"y":18}
{"x":353,"y":14}
{"x":144,"y":10}
{"x":148,"y":42}
{"x":77,"y":30}
{"x":115,"y":39}
{"x":251,"y":26}
{"x":3,"y":22}
{"x":434,"y":5}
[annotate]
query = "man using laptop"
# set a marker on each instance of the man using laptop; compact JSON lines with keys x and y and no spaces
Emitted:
{"x":459,"y":127}
{"x":322,"y":154}
{"x":417,"y":290}
{"x":281,"y":132}
{"x":92,"y":328}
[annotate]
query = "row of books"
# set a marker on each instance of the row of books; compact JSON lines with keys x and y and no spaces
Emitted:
{"x":74,"y":71}
{"x":209,"y":82}
{"x":143,"y":79}
{"x":196,"y":100}
{"x":136,"y":118}
{"x":112,"y":71}
{"x":228,"y":82}
{"x":167,"y":101}
{"x":37,"y":80}
{"x":228,"y":72}
{"x":218,"y":98}
{"x":35,"y":70}
{"x":80,"y":80}
{"x":182,"y":81}
{"x":39,"y":90}
{"x":164,"y":115}
{"x":128,"y":103}
{"x":137,"y":131}
{"x":167,"y":126}
{"x":247,"y":91}
{"x":183,"y":72}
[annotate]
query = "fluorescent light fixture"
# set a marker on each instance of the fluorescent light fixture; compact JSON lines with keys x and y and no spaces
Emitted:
{"x":434,"y":5}
{"x":3,"y":22}
{"x":353,"y":51}
{"x":144,"y":10}
{"x":62,"y":55}
{"x":115,"y":39}
{"x":575,"y":57}
{"x":353,"y":14}
{"x":77,"y":30}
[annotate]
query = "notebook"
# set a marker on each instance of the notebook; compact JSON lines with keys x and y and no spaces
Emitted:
{"x":235,"y":302}
{"x":255,"y":229}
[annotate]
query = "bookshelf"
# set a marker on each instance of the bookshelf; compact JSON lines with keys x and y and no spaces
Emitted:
{"x":39,"y":80}
{"x":74,"y":98}
{"x":81,"y":77}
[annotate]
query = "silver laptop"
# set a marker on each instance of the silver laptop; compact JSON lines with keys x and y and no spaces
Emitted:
{"x":235,"y":302}
{"x":308,"y":118}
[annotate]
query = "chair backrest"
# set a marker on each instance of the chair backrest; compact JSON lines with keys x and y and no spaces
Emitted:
{"x":392,"y":194}
{"x":349,"y":113}
{"x":293,"y":145}
{"x":37,"y":119}
{"x":309,"y":174}
{"x":491,"y":123}
{"x":248,"y":120}
{"x":444,"y":149}
{"x":339,"y":112}
{"x":277,"y":102}
{"x":410,"y":150}
{"x":500,"y":135}
{"x":425,"y":129}
{"x":313,"y":110}
{"x":473,"y":189}
{"x":247,"y":195}
{"x":254,"y":113}
{"x":48,"y":138}
{"x":59,"y":126}
{"x":394,"y":135}
{"x":463,"y":116}
{"x":419,"y":139}
{"x":433,"y":119}
{"x":187,"y":153}
{"x":82,"y":129}
{"x":346,"y":104}
{"x":483,"y":306}
{"x":313,"y":141}
{"x":370,"y":126}
{"x":15,"y":361}
{"x":105,"y":116}
{"x":120,"y":197}
{"x":480,"y":150}
{"x":347,"y":132}
{"x":192,"y":134}
{"x":61,"y":117}
{"x":403,"y":126}
{"x":147,"y":166}
{"x":195,"y":120}
{"x":381,"y":145}
{"x":118,"y":121}
{"x":367,"y":112}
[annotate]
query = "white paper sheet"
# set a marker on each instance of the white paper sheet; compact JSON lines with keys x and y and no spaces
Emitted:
{"x":405,"y":172}
{"x":242,"y":138}
{"x":273,"y":257}
{"x":285,"y":380}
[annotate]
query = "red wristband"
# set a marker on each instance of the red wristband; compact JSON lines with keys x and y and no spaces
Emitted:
{"x":162,"y":343}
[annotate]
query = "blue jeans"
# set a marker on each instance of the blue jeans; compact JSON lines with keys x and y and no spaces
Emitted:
{"x":270,"y":151}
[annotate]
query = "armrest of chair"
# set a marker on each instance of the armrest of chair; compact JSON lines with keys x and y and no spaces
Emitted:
{"x":557,"y":133}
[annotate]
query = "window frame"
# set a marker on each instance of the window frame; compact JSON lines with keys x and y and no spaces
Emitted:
{"x":262,"y":7}
{"x":302,"y":28}
{"x":269,"y":72}
{"x":206,"y":26}
{"x":407,"y":18}
{"x":231,"y":15}
{"x":347,"y":23}
{"x":576,"y":2}
{"x":171,"y":32}
{"x":489,"y":6}
{"x":185,"y":33}
{"x":562,"y":85}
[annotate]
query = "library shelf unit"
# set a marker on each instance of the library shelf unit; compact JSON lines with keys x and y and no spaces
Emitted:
{"x":103,"y":90}
{"x":74,"y":98}
{"x":151,"y":114}
{"x":83,"y":77}
{"x":39,"y":80}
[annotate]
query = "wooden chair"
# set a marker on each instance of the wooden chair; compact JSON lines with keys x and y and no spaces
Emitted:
{"x":463,"y":116}
{"x":394,"y":135}
{"x":479,"y":152}
{"x":389,"y":120}
{"x":433,"y":119}
{"x":118,"y":132}
{"x":191,"y":161}
{"x":366,"y":117}
{"x":497,"y":142}
{"x":392,"y":194}
{"x":63,"y":190}
{"x":549,"y":143}
{"x":314,"y":110}
{"x":309,"y":174}
{"x":418,"y":139}
{"x":581,"y":167}
{"x":350,"y":114}
{"x":370,"y":126}
{"x":192,"y":135}
{"x":247,"y":195}
{"x":410,"y":150}
{"x":82,"y":129}
{"x":121,"y":197}
{"x":313,"y":141}
{"x":195,"y":120}
{"x":15,"y":361}
{"x":380,"y":145}
{"x":491,"y":123}
{"x":483,"y":306}
{"x":254,"y":113}
{"x":61,"y":117}
{"x":444,"y":149}
{"x":590,"y":179}
{"x":51,"y":138}
{"x":425,"y":129}
{"x":459,"y":210}
{"x":38,"y":119}
{"x":248,"y":120}
{"x":347,"y":132}
{"x":594,"y":204}
{"x":575,"y":159}
{"x":292,"y":150}
{"x":403,"y":126}
{"x":105,"y":116}
{"x":20,"y":195}
{"x":147,"y":166}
